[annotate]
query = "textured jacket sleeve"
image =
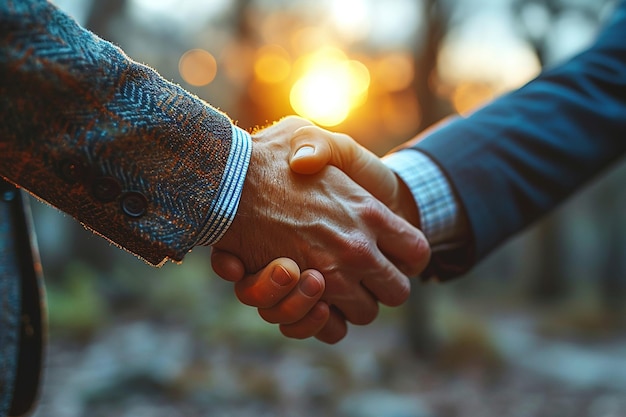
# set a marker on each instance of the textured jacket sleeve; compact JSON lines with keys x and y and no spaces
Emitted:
{"x":132,"y":156}
{"x":521,"y":155}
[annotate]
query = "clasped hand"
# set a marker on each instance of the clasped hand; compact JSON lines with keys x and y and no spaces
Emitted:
{"x":333,"y":220}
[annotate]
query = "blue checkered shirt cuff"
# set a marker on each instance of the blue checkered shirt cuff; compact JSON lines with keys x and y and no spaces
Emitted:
{"x":441,"y":218}
{"x":229,"y":192}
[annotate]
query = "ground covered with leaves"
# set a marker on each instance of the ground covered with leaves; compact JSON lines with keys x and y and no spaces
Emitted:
{"x":502,"y":365}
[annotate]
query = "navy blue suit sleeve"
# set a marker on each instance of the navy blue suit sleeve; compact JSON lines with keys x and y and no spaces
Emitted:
{"x":518,"y":157}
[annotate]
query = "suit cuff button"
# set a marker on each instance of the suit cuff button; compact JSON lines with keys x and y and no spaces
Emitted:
{"x":134,"y":204}
{"x":105,"y":189}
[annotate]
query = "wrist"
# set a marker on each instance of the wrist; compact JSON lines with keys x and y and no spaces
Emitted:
{"x":245,"y":209}
{"x":440,"y":214}
{"x":230,"y":191}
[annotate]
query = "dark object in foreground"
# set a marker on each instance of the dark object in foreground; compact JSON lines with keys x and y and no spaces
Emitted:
{"x":21,"y":317}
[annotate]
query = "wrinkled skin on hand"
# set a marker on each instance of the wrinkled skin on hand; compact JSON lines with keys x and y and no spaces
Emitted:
{"x":326,"y":222}
{"x":366,"y":169}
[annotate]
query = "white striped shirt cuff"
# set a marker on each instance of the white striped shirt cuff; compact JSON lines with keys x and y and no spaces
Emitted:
{"x":441,"y":219}
{"x":226,"y":203}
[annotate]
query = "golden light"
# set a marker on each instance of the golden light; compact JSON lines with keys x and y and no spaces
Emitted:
{"x":351,"y":18}
{"x":236,"y":60}
{"x":277,"y":26}
{"x":272,"y":64}
{"x":475,"y":70}
{"x":197,"y":67}
{"x":506,"y":65}
{"x":401,"y":113}
{"x":394,"y":72}
{"x":330,"y":87}
{"x":310,"y":39}
{"x":468,"y":96}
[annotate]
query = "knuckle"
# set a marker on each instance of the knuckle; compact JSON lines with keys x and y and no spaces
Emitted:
{"x":372,"y":210}
{"x":359,"y":247}
{"x":358,"y":260}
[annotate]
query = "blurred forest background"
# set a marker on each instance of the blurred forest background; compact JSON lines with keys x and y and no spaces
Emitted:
{"x":536,"y":330}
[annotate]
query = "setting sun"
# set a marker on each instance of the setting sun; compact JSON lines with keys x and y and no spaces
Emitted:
{"x":331,"y":86}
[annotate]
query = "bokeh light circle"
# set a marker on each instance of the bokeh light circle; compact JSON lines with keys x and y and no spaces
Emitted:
{"x":197,"y":67}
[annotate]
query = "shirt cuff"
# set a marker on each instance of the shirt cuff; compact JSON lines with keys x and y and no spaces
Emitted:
{"x":225,"y":205}
{"x":442,"y":221}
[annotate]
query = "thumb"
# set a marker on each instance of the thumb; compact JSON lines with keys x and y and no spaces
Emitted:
{"x":270,"y":285}
{"x":310,"y":150}
{"x":313,"y":148}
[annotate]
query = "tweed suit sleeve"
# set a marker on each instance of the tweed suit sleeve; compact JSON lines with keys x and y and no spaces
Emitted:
{"x":132,"y":156}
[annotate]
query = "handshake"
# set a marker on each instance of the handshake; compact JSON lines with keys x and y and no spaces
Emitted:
{"x":344,"y":225}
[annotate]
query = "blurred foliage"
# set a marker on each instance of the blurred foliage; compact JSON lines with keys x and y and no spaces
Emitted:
{"x":76,"y":306}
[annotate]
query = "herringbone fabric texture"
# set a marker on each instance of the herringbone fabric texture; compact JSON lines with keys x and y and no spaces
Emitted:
{"x":67,"y":95}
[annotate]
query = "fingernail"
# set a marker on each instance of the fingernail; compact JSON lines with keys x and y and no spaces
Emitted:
{"x":304,"y":151}
{"x":280,"y":276}
{"x":310,"y":286}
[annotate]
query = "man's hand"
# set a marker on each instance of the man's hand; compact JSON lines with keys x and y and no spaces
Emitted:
{"x":327,"y":222}
{"x":284,"y":296}
{"x":312,"y":148}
